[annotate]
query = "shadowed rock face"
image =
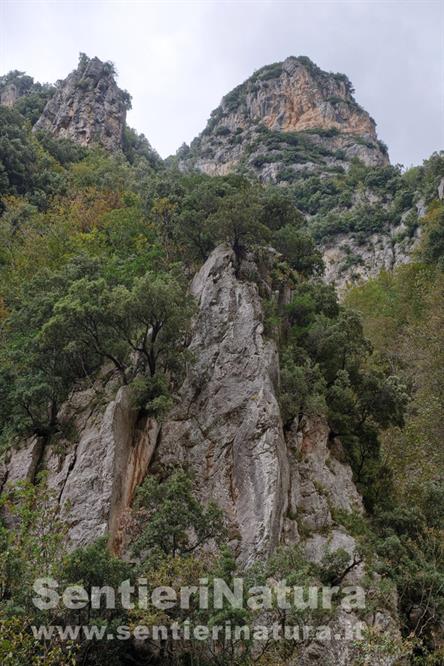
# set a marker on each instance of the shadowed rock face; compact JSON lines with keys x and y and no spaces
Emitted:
{"x":316,"y":109}
{"x":93,"y":478}
{"x":88,"y":107}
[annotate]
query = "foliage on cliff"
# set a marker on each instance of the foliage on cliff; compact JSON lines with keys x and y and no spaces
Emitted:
{"x":94,"y":260}
{"x":366,"y":200}
{"x":403,"y":315}
{"x":96,"y":252}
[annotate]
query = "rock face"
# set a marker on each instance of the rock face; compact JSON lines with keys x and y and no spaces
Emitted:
{"x":9,"y":96}
{"x":290,"y":121}
{"x":287,"y":118}
{"x":227,"y":427}
{"x":348,"y":262}
{"x":93,"y":477}
{"x":88,"y":107}
{"x":274,"y":487}
{"x":320,"y":483}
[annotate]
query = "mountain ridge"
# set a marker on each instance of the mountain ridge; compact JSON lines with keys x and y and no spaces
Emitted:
{"x":88,"y":106}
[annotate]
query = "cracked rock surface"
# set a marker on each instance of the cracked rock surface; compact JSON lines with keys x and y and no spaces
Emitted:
{"x":88,"y":107}
{"x":294,"y":98}
{"x":227,"y":427}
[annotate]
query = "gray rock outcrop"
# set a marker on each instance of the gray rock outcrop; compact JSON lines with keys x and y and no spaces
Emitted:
{"x":287,"y":118}
{"x":94,"y":476}
{"x":349,"y":262}
{"x":9,"y":96}
{"x":275,"y":487}
{"x":227,"y":426}
{"x":88,"y":107}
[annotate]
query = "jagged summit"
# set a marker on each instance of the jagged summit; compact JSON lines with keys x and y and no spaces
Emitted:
{"x":287,"y":116}
{"x":88,"y":106}
{"x":297,"y":95}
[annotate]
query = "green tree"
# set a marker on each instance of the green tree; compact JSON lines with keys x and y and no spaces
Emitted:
{"x":33,"y":544}
{"x":173,"y":521}
{"x":95,"y":566}
{"x":17,"y":154}
{"x":298,"y":248}
{"x":151,"y":320}
{"x":432,"y":246}
{"x":37,"y":372}
{"x":327,"y":368}
{"x":237,"y":222}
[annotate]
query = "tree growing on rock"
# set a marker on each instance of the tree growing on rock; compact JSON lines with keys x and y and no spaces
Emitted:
{"x":174,"y":522}
{"x":237,"y":222}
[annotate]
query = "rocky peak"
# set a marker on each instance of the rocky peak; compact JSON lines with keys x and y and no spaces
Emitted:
{"x":9,"y":95}
{"x":287,"y":116}
{"x":296,"y":95}
{"x":88,"y":106}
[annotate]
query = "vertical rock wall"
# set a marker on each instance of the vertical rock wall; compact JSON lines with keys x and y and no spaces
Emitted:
{"x":94,"y":476}
{"x":88,"y":107}
{"x":227,"y":426}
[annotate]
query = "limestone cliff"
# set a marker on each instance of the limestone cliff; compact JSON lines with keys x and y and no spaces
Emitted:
{"x":274,"y":486}
{"x":290,"y":116}
{"x":88,"y":107}
{"x":288,"y":122}
{"x":94,"y":473}
{"x":349,"y":263}
{"x":350,"y":260}
{"x":226,"y":428}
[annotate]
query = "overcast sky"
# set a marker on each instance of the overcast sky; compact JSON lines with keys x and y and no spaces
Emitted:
{"x":178,"y":59}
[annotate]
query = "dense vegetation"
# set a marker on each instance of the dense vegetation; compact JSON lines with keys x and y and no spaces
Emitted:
{"x":31,"y":95}
{"x":403,"y":315}
{"x":96,"y":252}
{"x":94,"y":257}
{"x":366,"y":200}
{"x":167,"y":552}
